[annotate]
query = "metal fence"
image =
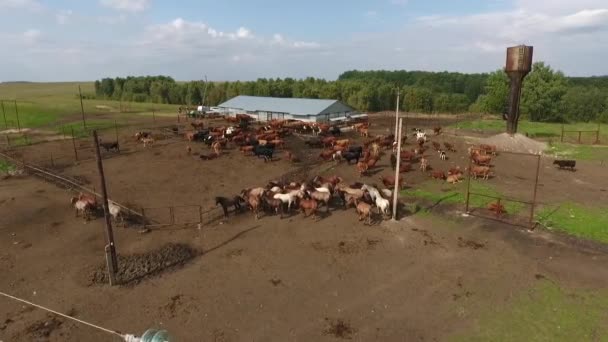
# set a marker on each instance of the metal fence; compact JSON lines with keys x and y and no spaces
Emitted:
{"x":498,"y":209}
{"x":594,"y":134}
{"x":179,"y":215}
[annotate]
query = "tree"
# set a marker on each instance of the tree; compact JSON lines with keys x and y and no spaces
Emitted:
{"x":542,"y":94}
{"x":497,"y":93}
{"x":583,"y":103}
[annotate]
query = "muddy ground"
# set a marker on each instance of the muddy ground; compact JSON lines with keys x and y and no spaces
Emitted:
{"x":296,"y":279}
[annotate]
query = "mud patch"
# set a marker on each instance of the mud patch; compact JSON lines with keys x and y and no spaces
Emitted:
{"x":174,"y":304}
{"x":346,"y":247}
{"x":276,"y":282}
{"x":234,"y":253}
{"x":42,"y":330}
{"x":339,"y":329}
{"x":428,"y":238}
{"x":134,"y":268}
{"x":462,"y":243}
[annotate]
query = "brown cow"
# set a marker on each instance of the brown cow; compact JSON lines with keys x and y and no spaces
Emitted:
{"x":438,"y":175}
{"x":389,"y":181}
{"x":362,"y":168}
{"x":480,"y":171}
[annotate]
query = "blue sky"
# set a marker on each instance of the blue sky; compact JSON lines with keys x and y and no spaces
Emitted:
{"x":232,"y":39}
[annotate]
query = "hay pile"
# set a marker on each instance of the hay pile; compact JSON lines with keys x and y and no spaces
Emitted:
{"x":517,"y":143}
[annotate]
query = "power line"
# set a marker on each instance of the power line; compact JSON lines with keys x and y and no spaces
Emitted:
{"x":63,"y":315}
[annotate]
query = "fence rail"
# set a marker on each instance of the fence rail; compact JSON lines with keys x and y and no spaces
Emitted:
{"x":532,"y":203}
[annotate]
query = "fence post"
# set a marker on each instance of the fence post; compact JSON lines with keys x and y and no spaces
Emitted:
{"x":74,"y":144}
{"x":562,"y":137}
{"x":597,"y":134}
{"x":153,"y":117}
{"x":466,"y":208}
{"x":8,"y":141}
{"x":535,"y":190}
{"x":116,"y":130}
{"x":200,"y":214}
{"x":4,"y":114}
{"x":17,"y":114}
{"x":52,"y":161}
{"x":172,"y":215}
{"x":579,"y":137}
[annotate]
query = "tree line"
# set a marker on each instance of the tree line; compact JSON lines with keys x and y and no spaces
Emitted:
{"x":547,"y":95}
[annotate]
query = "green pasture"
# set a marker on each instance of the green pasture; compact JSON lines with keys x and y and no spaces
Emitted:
{"x":52,"y":104}
{"x":537,"y":129}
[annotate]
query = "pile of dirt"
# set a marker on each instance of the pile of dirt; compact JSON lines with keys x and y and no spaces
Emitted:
{"x":135,"y":268}
{"x":516,"y":143}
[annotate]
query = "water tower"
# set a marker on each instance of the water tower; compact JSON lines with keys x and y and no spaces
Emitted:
{"x":519,"y":64}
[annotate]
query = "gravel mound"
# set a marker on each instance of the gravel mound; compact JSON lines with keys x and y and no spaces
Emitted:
{"x":517,"y":143}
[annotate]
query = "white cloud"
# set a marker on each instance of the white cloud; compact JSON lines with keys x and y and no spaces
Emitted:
{"x":371,"y":13}
{"x":399,"y":2}
{"x":63,"y":16}
{"x":31,"y":5}
{"x":112,"y":20}
{"x":126,"y":5}
{"x":31,"y":36}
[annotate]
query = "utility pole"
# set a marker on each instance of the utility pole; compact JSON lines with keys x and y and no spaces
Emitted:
{"x":397,"y":115}
{"x":17,"y":114}
{"x":84,"y":123}
{"x":396,"y":191}
{"x":110,"y":249}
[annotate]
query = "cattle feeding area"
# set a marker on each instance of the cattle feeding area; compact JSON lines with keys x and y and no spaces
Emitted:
{"x":280,"y":231}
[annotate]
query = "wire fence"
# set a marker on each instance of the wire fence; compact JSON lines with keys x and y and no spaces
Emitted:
{"x":482,"y":201}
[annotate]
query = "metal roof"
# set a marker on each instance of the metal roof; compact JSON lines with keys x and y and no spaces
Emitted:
{"x":294,"y":106}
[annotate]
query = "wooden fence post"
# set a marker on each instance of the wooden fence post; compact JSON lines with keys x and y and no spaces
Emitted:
{"x":468,"y":194}
{"x":74,"y":144}
{"x":562,"y":137}
{"x":52,"y":161}
{"x":579,"y":136}
{"x":200,"y":214}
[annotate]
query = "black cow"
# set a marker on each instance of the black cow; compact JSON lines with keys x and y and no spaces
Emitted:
{"x":356,"y":149}
{"x":110,"y":146}
{"x":263,"y":151}
{"x":570,"y":164}
{"x":351,"y":156}
{"x":393,"y":162}
{"x":335,"y":131}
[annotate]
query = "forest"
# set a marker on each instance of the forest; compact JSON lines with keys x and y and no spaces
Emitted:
{"x":548,"y":95}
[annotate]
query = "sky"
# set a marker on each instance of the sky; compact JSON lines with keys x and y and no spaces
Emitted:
{"x":80,"y":40}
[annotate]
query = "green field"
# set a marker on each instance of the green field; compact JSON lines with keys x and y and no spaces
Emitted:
{"x":577,"y":220}
{"x":51,"y":104}
{"x":545,"y":312}
{"x":579,"y":152}
{"x":537,"y":129}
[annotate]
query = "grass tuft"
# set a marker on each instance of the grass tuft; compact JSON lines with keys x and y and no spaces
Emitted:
{"x":577,"y":220}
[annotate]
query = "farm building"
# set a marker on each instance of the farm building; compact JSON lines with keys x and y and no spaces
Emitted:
{"x":268,"y":108}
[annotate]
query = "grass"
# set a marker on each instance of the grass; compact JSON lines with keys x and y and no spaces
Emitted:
{"x":436,"y":193}
{"x":545,"y":313}
{"x":47,"y":104}
{"x":6,"y":166}
{"x":577,"y":220}
{"x":578,"y":152}
{"x":537,"y":129}
{"x":80,"y":131}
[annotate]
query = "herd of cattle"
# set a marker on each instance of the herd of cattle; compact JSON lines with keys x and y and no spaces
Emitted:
{"x":282,"y":197}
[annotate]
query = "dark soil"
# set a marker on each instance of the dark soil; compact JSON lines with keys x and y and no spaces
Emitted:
{"x":470,"y":244}
{"x":339,"y":329}
{"x":135,"y":268}
{"x":42,"y":330}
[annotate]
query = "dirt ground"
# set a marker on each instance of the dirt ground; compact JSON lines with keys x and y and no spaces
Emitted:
{"x":296,"y":279}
